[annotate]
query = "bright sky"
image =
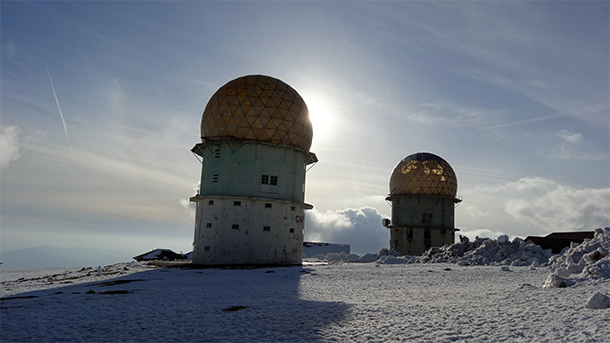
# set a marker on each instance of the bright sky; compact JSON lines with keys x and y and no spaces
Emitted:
{"x":102,"y":101}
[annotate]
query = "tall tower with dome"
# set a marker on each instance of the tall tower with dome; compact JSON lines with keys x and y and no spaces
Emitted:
{"x":254,"y":150}
{"x":423,"y":189}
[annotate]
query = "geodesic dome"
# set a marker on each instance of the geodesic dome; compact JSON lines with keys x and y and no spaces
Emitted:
{"x":423,"y":174}
{"x":257,"y":108}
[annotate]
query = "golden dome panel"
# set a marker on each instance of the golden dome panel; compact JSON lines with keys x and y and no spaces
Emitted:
{"x":257,"y":108}
{"x":423,"y":174}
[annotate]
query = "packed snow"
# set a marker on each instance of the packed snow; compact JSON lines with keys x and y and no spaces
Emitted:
{"x":468,"y":297}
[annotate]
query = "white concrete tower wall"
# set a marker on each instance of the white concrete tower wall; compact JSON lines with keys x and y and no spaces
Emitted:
{"x":248,"y":231}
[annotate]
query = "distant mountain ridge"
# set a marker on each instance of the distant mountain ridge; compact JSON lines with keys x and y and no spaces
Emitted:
{"x":49,"y":256}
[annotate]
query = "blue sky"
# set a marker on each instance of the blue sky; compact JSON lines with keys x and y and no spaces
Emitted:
{"x":514,"y":95}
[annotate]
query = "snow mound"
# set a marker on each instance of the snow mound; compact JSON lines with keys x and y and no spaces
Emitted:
{"x":482,"y":251}
{"x":381,"y":255}
{"x":487,"y":251}
{"x":588,"y":260}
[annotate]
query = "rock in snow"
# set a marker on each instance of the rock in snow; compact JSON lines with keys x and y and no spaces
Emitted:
{"x":598,"y":301}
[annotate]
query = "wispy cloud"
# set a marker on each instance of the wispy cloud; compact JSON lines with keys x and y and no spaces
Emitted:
{"x":9,"y":145}
{"x":569,"y":136}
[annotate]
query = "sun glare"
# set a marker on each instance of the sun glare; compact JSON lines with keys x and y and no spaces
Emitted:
{"x":320,"y":114}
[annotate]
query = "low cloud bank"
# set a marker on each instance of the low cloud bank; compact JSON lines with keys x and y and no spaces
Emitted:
{"x":359,"y":227}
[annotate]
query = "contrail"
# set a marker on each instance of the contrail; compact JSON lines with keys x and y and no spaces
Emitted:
{"x":58,"y":107}
{"x":566,"y":113}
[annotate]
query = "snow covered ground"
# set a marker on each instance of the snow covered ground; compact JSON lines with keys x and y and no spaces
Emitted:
{"x":334,"y":302}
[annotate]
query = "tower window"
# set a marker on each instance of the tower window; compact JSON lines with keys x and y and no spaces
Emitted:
{"x":211,"y":202}
{"x":208,"y":224}
{"x":217,"y":153}
{"x":292,"y":208}
{"x":235,"y":226}
{"x":266,"y":228}
{"x":269,"y":180}
{"x":268,"y":183}
{"x":206,"y":248}
{"x":427,"y":234}
{"x":291,"y":230}
{"x":236,"y":203}
{"x":214,"y":178}
{"x":268,"y":205}
{"x":409,"y":234}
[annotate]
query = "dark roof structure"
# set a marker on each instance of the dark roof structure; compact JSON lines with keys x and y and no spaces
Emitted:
{"x":159,"y":254}
{"x":558,"y":241}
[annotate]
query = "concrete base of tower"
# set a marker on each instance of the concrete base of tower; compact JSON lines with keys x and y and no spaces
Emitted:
{"x":414,"y":241}
{"x":248,"y":231}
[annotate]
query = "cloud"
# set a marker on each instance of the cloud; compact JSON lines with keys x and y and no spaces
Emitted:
{"x":563,"y":208}
{"x":545,"y":205}
{"x":9,"y":144}
{"x":475,"y":211}
{"x":565,"y":147}
{"x":359,"y":227}
{"x":570,"y":137}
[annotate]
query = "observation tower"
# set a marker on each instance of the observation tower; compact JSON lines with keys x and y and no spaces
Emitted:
{"x":423,"y":190}
{"x":254,"y":150}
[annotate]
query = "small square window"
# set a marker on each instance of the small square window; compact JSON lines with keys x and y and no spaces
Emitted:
{"x":291,"y":230}
{"x":266,"y":228}
{"x":208,"y":224}
{"x":265,"y":179}
{"x":292,"y":208}
{"x":214,"y":178}
{"x":236,"y":203}
{"x":211,"y":202}
{"x":217,"y":153}
{"x":206,"y":248}
{"x":273,"y":180}
{"x":268,"y":205}
{"x":235,"y":226}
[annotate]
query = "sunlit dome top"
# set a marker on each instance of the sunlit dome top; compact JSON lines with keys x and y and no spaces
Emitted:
{"x":257,"y":108}
{"x":423,"y":174}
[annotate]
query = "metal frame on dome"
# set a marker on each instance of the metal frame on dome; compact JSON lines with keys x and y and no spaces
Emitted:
{"x":423,"y":174}
{"x":258,"y":108}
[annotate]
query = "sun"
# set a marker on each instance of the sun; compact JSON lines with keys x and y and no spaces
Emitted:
{"x":320,"y":115}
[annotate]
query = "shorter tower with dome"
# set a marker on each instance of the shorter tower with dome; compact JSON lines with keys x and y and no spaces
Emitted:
{"x":254,"y":150}
{"x":423,"y":189}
